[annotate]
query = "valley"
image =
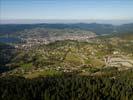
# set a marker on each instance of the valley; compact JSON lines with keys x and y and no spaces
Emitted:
{"x":67,"y":50}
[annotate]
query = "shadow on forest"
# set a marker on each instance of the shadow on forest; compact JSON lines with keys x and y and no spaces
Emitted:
{"x":6,"y":54}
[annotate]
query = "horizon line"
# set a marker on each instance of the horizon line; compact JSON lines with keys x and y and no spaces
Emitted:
{"x":66,"y":21}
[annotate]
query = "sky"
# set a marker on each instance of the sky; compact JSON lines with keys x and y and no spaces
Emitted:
{"x":66,"y":9}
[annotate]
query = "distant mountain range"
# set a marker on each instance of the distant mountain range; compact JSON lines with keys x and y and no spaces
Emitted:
{"x":94,"y":27}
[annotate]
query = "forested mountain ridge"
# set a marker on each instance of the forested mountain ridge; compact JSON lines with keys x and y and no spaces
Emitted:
{"x":94,"y":27}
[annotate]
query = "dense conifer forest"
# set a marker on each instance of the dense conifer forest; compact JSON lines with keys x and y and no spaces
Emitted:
{"x":68,"y":87}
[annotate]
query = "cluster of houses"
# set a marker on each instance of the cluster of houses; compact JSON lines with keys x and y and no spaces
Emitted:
{"x":31,"y":41}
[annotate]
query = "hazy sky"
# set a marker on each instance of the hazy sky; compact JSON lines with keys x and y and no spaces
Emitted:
{"x":67,"y":9}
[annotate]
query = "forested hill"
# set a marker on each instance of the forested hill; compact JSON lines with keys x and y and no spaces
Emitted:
{"x":94,"y":27}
